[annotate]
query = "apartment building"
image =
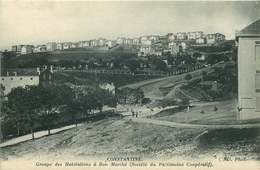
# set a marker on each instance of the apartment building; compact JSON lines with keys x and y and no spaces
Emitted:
{"x":248,"y":40}
{"x":51,"y":46}
{"x":27,"y":49}
{"x":40,"y":48}
{"x":181,"y":36}
{"x":194,"y":35}
{"x":213,"y":38}
{"x":59,"y":46}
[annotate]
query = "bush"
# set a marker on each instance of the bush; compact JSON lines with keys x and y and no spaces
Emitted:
{"x":188,"y":77}
{"x":146,"y":100}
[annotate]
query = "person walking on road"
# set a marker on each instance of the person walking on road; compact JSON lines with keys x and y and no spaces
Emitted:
{"x":133,"y":113}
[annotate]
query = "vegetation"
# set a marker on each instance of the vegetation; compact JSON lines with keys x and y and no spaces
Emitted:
{"x":131,"y":96}
{"x":188,"y":77}
{"x":36,"y":107}
{"x":219,"y":83}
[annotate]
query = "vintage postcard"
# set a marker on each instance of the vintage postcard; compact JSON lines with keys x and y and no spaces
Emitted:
{"x":129,"y":85}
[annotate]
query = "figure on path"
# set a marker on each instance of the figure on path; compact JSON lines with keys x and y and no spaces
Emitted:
{"x":133,"y":113}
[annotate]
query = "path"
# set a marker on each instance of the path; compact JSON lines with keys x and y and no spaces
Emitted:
{"x":194,"y":126}
{"x":37,"y":135}
{"x":174,"y":78}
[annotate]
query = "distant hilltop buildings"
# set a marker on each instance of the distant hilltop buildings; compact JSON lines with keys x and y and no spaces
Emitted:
{"x":147,"y":45}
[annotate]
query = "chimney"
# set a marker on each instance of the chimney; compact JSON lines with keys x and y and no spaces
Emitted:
{"x":51,"y":69}
{"x":38,"y":70}
{"x":15,"y":73}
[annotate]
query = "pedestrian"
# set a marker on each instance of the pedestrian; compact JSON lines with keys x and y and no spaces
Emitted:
{"x":133,"y":114}
{"x":215,"y":108}
{"x":188,"y":108}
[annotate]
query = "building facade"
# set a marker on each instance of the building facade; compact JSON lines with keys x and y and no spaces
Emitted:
{"x":40,"y":48}
{"x":213,"y":38}
{"x":194,"y":35}
{"x":109,"y":87}
{"x":174,"y":48}
{"x":27,"y":49}
{"x":67,"y":45}
{"x":145,"y":50}
{"x":248,"y":40}
{"x":10,"y":82}
{"x":181,"y":36}
{"x":51,"y":46}
{"x":42,"y":76}
{"x":200,"y":40}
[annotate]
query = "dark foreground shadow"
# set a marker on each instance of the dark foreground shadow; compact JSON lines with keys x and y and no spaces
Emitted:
{"x":230,"y":138}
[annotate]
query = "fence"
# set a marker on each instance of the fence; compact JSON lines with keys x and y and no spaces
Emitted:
{"x":140,"y":72}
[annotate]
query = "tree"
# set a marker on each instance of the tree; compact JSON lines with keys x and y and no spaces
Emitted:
{"x":17,"y":102}
{"x":133,"y":65}
{"x":74,"y":107}
{"x":159,"y":64}
{"x":24,"y":103}
{"x":204,"y":74}
{"x":188,"y":77}
{"x":138,"y":94}
{"x":52,"y":98}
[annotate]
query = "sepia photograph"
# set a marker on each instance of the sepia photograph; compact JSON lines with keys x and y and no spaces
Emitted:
{"x":129,"y":85}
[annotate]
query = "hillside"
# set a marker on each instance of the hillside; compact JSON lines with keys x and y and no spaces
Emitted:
{"x":74,"y":56}
{"x":122,"y":137}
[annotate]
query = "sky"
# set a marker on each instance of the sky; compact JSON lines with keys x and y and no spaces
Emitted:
{"x":37,"y":22}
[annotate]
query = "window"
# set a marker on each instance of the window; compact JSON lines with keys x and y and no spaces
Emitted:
{"x":257,"y":57}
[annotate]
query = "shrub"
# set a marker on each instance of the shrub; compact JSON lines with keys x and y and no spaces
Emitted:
{"x":188,"y":77}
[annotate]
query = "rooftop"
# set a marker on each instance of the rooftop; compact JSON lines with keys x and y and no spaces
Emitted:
{"x":250,"y":30}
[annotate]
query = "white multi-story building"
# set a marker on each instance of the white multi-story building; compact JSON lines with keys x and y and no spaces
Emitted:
{"x":93,"y":43}
{"x":10,"y":82}
{"x":27,"y":49}
{"x":120,"y":40}
{"x":101,"y":42}
{"x":74,"y":45}
{"x":109,"y":87}
{"x":51,"y":46}
{"x":40,"y":48}
{"x":136,"y":41}
{"x":145,"y":50}
{"x":200,"y":40}
{"x":146,"y":42}
{"x":181,"y":36}
{"x":194,"y":35}
{"x":60,"y":46}
{"x":67,"y":45}
{"x":110,"y":43}
{"x":153,"y":38}
{"x":171,"y":37}
{"x":83,"y":44}
{"x":128,"y":41}
{"x":249,"y":71}
{"x":174,"y":48}
{"x":213,"y":38}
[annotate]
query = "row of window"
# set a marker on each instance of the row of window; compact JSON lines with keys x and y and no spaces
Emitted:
{"x":20,"y":78}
